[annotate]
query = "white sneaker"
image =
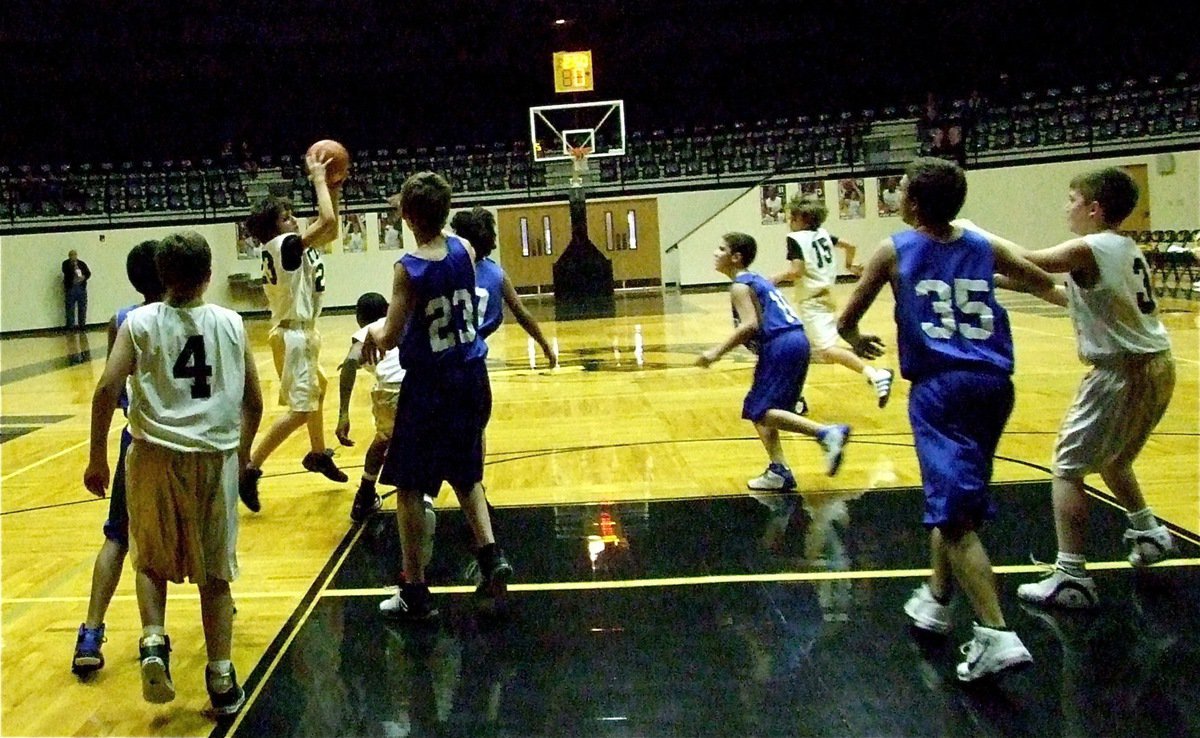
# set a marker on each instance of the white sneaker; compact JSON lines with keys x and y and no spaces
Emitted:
{"x":883,"y":385}
{"x":1150,"y":546}
{"x":991,"y":651}
{"x":1062,"y":590}
{"x":926,"y":612}
{"x":833,"y":438}
{"x":776,"y":478}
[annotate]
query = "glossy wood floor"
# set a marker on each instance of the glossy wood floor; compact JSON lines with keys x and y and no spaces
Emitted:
{"x":627,"y":418}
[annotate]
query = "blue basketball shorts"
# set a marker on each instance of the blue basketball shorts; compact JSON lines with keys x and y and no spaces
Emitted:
{"x":441,"y":415}
{"x":957,"y":418}
{"x":778,"y":376}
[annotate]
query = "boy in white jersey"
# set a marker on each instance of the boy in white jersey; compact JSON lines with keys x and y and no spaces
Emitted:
{"x":294,"y":280}
{"x":813,"y":268}
{"x":195,"y":406}
{"x":1124,"y":395}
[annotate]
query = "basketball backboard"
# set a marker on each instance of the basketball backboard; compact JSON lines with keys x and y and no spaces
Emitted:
{"x":556,"y":129}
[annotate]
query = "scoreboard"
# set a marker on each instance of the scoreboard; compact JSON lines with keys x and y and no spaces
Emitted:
{"x":572,"y":71}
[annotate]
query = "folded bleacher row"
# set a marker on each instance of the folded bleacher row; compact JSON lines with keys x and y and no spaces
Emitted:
{"x":1134,"y":114}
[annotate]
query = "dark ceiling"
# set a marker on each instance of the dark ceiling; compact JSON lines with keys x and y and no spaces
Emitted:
{"x":108,"y":79}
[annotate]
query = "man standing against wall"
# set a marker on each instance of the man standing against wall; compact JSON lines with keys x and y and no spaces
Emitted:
{"x":75,"y":277}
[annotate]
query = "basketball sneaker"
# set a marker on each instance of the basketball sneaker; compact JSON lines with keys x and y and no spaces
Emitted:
{"x":367,"y":502}
{"x":883,"y":385}
{"x":1061,"y":590}
{"x":322,"y":463}
{"x":833,"y":438}
{"x":412,"y":603}
{"x":1149,"y":546}
{"x":776,"y":478}
{"x":991,"y":651}
{"x":802,"y":406}
{"x":155,"y":654}
{"x":226,"y":695}
{"x":88,"y":657}
{"x":248,"y":489}
{"x":926,"y":612}
{"x":495,"y":570}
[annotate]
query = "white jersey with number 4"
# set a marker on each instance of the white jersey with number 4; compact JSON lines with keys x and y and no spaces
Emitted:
{"x":186,"y":388}
{"x":294,"y":295}
{"x":1118,"y":314}
{"x":820,"y":266}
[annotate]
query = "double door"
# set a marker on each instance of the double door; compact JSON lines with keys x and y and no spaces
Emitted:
{"x":625,"y":231}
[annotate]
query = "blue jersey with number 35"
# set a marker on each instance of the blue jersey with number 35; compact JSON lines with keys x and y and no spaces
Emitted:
{"x":947,"y":316}
{"x":777,"y":315}
{"x":442,"y":328}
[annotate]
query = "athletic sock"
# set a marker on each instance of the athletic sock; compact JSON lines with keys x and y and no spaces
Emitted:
{"x":1143,"y":519}
{"x":1073,"y":564}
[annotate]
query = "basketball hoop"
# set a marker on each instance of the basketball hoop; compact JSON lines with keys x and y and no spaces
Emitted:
{"x":579,"y":164}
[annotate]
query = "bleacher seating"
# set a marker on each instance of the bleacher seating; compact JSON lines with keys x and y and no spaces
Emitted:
{"x":1056,"y":122}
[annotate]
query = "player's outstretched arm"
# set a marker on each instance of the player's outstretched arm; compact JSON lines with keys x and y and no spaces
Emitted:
{"x":380,"y":338}
{"x":879,"y":271}
{"x":104,"y":403}
{"x":526,"y":320}
{"x":747,"y":309}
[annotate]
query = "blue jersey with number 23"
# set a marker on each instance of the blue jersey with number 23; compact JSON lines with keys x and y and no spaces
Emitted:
{"x":442,"y":328}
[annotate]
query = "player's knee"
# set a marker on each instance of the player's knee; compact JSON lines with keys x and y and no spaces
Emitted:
{"x":954,"y":531}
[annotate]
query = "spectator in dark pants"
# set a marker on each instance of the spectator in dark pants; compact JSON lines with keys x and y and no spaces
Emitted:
{"x":75,"y":278}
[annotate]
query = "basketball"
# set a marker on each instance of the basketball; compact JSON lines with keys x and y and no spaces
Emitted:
{"x":337,"y":164}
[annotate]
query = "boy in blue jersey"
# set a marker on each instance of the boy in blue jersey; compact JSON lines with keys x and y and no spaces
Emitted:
{"x":106,"y":574}
{"x":445,"y":400}
{"x":956,"y":348}
{"x":478,"y":227}
{"x":765,"y":322}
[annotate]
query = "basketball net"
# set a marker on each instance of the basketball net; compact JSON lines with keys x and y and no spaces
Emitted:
{"x":579,"y":164}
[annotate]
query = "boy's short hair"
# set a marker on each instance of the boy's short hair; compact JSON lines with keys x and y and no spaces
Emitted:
{"x":142,"y":271}
{"x":938,"y":189}
{"x":1112,"y":188}
{"x":478,"y":226}
{"x":810,"y":210}
{"x":184,"y":262}
{"x":743,"y":245}
{"x":262,"y":223}
{"x":371,"y":306}
{"x":425,"y":203}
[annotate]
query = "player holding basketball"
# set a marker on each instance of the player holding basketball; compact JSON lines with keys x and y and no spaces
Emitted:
{"x":294,"y":280}
{"x":194,"y":408}
{"x":765,"y":322}
{"x":814,"y":270}
{"x":445,"y":400}
{"x":956,"y":348}
{"x":1125,"y":393}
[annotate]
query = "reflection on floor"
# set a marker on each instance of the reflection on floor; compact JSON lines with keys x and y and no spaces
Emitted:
{"x":730,"y":616}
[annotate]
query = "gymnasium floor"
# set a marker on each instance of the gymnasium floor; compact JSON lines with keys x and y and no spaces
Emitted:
{"x":653,"y":596}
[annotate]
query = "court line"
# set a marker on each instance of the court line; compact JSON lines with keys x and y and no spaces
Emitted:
{"x":802,"y":576}
{"x":47,"y":459}
{"x":296,"y":623}
{"x":1027,"y":329}
{"x":780,"y":577}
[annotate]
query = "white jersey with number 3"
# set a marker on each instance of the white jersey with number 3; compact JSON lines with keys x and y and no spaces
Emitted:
{"x":294,"y":295}
{"x":186,"y":388}
{"x":820,"y":264}
{"x":1118,"y":314}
